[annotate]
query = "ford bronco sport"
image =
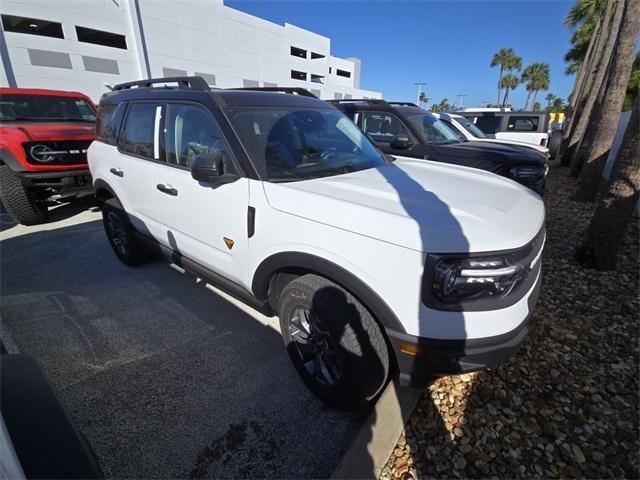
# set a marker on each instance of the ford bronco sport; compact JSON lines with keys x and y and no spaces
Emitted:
{"x":375,"y":265}
{"x":44,"y":137}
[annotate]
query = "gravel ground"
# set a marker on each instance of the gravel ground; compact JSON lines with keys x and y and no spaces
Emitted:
{"x":566,"y":406}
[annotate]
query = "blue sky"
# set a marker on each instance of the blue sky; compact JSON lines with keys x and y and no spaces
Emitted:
{"x":447,"y":44}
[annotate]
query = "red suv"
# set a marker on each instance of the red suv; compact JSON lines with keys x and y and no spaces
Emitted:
{"x":44,"y":136}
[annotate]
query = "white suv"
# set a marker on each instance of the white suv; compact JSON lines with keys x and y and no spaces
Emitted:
{"x":375,"y":265}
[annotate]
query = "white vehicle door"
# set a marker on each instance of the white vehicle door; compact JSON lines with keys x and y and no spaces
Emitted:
{"x":205,"y":222}
{"x":131,"y":167}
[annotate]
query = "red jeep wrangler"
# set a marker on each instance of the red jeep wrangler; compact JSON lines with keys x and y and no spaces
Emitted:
{"x":44,"y":136}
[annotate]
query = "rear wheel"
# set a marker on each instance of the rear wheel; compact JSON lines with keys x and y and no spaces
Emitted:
{"x":19,"y":201}
{"x":121,"y":235}
{"x":335,"y":344}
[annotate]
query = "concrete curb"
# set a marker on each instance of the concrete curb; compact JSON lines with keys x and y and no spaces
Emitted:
{"x":378,"y":436}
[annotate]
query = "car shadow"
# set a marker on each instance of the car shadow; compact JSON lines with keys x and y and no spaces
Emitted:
{"x":163,"y":376}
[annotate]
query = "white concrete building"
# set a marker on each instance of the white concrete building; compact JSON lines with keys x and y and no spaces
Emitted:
{"x":82,"y":45}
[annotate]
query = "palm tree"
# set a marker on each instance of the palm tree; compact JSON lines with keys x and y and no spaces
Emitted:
{"x":536,"y":107}
{"x":508,"y":82}
{"x":507,"y":59}
{"x":616,"y":205}
{"x":536,"y":77}
{"x":558,"y":105}
{"x":550,"y":97}
{"x":603,"y":122}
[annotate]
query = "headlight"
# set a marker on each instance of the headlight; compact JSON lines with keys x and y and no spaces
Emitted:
{"x":481,"y":281}
{"x":456,"y":280}
{"x":526,"y":173}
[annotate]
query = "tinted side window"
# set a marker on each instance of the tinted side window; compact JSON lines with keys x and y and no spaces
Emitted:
{"x":137,"y":135}
{"x":454,"y":129}
{"x":382,"y":127}
{"x":190,"y":132}
{"x":523,"y":124}
{"x":488,"y":124}
{"x":108,"y":122}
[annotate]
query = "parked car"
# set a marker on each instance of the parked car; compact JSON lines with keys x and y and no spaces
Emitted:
{"x":373,"y":265}
{"x":468,"y":131}
{"x":402,"y":128}
{"x":504,"y":124}
{"x":44,"y":137}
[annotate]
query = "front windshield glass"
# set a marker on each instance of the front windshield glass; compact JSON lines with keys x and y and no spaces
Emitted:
{"x":432,"y":129}
{"x":45,"y":108}
{"x":291,"y":144}
{"x":471,"y":127}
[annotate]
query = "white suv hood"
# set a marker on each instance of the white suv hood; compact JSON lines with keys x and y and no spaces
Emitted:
{"x":418,"y":204}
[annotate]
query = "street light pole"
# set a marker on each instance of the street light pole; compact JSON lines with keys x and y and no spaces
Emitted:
{"x":419,"y":85}
{"x":460,"y":99}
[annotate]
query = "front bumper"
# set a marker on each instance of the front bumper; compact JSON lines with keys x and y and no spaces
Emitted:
{"x":421,"y":359}
{"x":58,"y":184}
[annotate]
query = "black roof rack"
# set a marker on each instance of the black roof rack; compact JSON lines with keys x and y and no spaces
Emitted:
{"x":293,"y":90}
{"x":403,"y":104}
{"x":373,"y":101}
{"x":184,"y":83}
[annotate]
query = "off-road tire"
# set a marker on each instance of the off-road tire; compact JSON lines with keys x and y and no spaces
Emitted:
{"x":19,"y":201}
{"x":125,"y":244}
{"x":359,"y":340}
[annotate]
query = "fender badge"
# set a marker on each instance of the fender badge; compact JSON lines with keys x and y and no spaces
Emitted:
{"x":229,"y":242}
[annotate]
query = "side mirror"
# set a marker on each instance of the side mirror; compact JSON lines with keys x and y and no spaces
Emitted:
{"x":401,"y":141}
{"x":208,"y":167}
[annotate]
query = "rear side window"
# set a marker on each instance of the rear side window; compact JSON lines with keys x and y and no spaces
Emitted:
{"x":137,"y":136}
{"x":488,"y":124}
{"x":523,"y":124}
{"x":382,"y":127}
{"x":108,"y":122}
{"x":191,"y":132}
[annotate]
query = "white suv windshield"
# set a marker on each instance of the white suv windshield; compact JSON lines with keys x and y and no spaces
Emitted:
{"x":432,"y":129}
{"x":470,"y":127}
{"x":288,"y":144}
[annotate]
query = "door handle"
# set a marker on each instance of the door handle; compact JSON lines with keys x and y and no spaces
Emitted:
{"x":117,"y":172}
{"x":168,"y":189}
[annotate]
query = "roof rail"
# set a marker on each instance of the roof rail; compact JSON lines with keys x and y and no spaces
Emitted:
{"x":403,"y":104}
{"x":188,"y":83}
{"x":374,"y":101}
{"x":293,"y":90}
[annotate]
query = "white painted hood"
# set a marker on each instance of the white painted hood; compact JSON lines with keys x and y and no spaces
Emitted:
{"x":417,"y":204}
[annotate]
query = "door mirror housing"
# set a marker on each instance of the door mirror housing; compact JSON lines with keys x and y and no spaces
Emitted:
{"x":401,"y":141}
{"x":208,"y":167}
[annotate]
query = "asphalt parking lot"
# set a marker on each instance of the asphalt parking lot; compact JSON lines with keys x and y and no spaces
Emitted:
{"x":164,"y":376}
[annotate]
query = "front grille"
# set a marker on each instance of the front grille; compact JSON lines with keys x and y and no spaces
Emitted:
{"x":68,"y":152}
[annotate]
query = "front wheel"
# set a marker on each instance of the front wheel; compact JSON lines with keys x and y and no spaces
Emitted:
{"x":335,"y":344}
{"x":19,"y":201}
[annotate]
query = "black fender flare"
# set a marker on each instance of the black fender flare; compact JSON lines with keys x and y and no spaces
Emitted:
{"x":7,"y":158}
{"x":313,"y":264}
{"x":112,"y":200}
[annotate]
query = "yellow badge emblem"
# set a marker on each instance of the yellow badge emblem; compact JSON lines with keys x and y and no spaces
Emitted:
{"x":229,"y":242}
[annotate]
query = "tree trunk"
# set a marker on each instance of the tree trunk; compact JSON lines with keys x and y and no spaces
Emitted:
{"x":587,"y":71}
{"x":526,"y":104}
{"x":535,"y":93}
{"x":499,"y":81}
{"x":595,"y":147}
{"x":615,"y":207}
{"x":506,"y":96}
{"x":592,"y":88}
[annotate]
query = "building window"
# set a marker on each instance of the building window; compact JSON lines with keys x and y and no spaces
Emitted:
{"x":317,"y":78}
{"x":315,"y":92}
{"x":348,"y":96}
{"x":32,"y":26}
{"x":343,"y":73}
{"x":47,"y":58}
{"x":98,"y":37}
{"x":329,"y":69}
{"x":173,"y":72}
{"x":208,"y":77}
{"x":101,"y":65}
{"x":296,"y":75}
{"x":337,"y":96}
{"x":298,"y":52}
{"x":269,"y":84}
{"x":250,"y":83}
{"x":315,"y":55}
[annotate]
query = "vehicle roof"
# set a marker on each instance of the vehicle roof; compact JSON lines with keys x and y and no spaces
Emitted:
{"x":495,"y":113}
{"x":224,"y":98}
{"x":380,"y":106}
{"x":40,"y":91}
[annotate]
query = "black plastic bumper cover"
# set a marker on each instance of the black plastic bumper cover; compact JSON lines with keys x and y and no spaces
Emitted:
{"x":445,"y":357}
{"x":71,"y":182}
